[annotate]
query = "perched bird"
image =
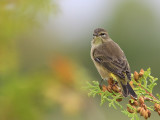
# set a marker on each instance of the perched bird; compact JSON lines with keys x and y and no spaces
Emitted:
{"x":111,"y":61}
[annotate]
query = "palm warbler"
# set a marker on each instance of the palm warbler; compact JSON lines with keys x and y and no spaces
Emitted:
{"x":111,"y":61}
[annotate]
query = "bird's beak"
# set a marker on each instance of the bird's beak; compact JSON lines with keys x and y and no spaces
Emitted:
{"x":95,"y":35}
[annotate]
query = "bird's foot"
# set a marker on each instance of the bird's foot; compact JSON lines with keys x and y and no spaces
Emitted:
{"x":115,"y":83}
{"x":100,"y":84}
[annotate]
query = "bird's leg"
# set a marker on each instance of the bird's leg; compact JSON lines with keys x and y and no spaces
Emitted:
{"x":100,"y":84}
{"x":115,"y":83}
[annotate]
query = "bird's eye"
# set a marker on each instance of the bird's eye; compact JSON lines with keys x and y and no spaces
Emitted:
{"x":102,"y":34}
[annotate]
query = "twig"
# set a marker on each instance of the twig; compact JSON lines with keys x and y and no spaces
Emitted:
{"x":150,"y":94}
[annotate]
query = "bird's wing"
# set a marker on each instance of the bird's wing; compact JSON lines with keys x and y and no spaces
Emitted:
{"x":110,"y":56}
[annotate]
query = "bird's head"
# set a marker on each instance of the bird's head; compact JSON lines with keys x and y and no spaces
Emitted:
{"x":99,"y":36}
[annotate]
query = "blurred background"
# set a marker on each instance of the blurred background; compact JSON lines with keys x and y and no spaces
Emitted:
{"x":45,"y":54}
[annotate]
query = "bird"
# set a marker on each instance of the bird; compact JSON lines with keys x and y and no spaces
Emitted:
{"x":110,"y":61}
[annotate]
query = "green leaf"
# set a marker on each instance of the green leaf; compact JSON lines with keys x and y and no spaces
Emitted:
{"x":146,"y":84}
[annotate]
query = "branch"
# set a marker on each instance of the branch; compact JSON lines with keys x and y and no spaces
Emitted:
{"x":142,"y":83}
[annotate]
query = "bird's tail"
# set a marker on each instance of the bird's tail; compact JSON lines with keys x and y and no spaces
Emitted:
{"x":127,"y":89}
{"x":131,"y":91}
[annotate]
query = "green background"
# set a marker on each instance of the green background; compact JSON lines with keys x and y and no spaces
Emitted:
{"x":45,"y":54}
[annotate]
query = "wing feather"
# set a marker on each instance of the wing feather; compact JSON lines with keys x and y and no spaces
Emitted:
{"x":112,"y":57}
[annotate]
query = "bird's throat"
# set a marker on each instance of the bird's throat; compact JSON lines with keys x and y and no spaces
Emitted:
{"x":97,"y":41}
